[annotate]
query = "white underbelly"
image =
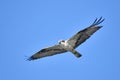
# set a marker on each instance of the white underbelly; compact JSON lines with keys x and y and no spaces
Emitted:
{"x":67,"y":47}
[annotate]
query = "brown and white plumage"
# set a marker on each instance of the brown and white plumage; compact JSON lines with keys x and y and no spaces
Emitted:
{"x":84,"y":34}
{"x":56,"y":49}
{"x":70,"y":44}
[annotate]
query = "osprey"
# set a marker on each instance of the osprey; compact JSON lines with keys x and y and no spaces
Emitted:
{"x":70,"y":44}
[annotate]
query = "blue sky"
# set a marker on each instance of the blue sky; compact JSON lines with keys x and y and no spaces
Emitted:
{"x":26,"y":26}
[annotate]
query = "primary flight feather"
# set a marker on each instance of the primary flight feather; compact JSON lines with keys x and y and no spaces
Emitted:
{"x":70,"y":44}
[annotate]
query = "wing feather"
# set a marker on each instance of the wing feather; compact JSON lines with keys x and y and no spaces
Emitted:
{"x":84,"y":34}
{"x":57,"y":49}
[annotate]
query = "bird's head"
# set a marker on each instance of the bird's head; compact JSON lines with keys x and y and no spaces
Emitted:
{"x":61,"y":41}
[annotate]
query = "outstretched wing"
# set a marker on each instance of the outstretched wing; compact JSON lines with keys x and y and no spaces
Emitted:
{"x":47,"y":52}
{"x":84,"y":34}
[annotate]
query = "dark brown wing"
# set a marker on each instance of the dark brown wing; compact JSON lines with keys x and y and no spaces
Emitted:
{"x":47,"y":52}
{"x":84,"y":34}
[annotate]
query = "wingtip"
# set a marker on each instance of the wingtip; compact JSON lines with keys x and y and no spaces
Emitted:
{"x":98,"y":21}
{"x":30,"y":58}
{"x":100,"y":26}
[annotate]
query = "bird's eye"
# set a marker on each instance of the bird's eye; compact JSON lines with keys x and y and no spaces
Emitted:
{"x":63,"y":41}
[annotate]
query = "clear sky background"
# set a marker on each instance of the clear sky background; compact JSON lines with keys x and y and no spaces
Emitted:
{"x":26,"y":26}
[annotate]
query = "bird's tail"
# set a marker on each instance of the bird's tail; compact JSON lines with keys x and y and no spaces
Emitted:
{"x":77,"y":54}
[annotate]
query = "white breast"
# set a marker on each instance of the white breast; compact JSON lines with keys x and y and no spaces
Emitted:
{"x":66,"y":45}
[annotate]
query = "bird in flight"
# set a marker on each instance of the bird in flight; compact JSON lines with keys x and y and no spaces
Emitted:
{"x":70,"y":44}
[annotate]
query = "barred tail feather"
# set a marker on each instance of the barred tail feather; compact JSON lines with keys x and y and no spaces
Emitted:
{"x":77,"y":54}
